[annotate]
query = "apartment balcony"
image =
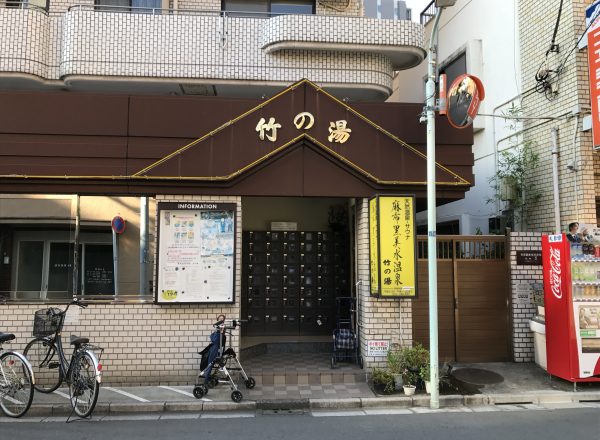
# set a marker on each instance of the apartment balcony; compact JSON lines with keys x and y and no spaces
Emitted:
{"x":210,"y":53}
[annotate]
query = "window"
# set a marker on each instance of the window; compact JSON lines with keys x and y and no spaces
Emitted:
{"x":454,"y":69}
{"x":137,"y":6}
{"x":45,"y":269}
{"x":253,"y":8}
{"x":42,"y":4}
{"x":387,"y":9}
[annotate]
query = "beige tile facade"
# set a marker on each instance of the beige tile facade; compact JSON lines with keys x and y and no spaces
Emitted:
{"x":379,"y":319}
{"x":522,"y":312}
{"x":144,"y":343}
{"x":577,"y":189}
{"x":205,"y":46}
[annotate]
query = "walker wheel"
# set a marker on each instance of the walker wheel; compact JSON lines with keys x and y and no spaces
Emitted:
{"x":332,"y":362}
{"x":198,"y":392}
{"x":360,"y":361}
{"x":237,"y":396}
{"x":213,"y":382}
{"x":250,"y":383}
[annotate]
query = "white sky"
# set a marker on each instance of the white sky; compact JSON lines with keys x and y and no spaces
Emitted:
{"x":417,"y":6}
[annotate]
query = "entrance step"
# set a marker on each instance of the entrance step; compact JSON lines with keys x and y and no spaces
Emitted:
{"x":285,"y":348}
{"x":298,"y":364}
{"x":278,"y":377}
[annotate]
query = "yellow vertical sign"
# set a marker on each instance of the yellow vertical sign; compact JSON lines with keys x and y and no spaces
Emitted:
{"x":397,"y":247}
{"x":392,"y":252}
{"x":373,"y":247}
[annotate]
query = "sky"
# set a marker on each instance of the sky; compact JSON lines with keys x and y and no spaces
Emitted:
{"x":417,"y":6}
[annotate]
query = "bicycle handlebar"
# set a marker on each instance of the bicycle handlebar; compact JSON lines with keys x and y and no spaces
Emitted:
{"x":233,"y":324}
{"x":76,"y":302}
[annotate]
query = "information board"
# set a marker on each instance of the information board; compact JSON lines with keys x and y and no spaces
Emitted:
{"x":196,"y":251}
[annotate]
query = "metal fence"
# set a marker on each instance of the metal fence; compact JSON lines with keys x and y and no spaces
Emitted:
{"x":465,"y":247}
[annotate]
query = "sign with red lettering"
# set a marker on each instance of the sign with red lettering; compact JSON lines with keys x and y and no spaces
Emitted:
{"x":594,"y":71}
{"x":377,"y":348}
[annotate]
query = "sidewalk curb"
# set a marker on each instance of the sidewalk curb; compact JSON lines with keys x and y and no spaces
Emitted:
{"x":403,"y":402}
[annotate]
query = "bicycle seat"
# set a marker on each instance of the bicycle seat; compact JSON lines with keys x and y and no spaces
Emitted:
{"x":6,"y":337}
{"x":76,"y":340}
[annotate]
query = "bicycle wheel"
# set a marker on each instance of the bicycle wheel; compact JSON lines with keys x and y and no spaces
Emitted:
{"x":16,"y":385}
{"x":83,"y":386}
{"x":43,"y":357}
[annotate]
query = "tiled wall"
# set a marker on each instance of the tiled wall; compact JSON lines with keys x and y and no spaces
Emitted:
{"x":523,"y":312}
{"x":202,"y":46}
{"x":379,"y":319}
{"x":577,"y":189}
{"x":144,"y":343}
{"x":149,"y":344}
{"x":333,"y":30}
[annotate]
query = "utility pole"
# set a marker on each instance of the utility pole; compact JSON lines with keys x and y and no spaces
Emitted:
{"x":430,"y":107}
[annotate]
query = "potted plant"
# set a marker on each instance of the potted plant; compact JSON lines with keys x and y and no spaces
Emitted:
{"x":410,"y":379}
{"x":425,"y":373}
{"x":396,"y":365}
{"x":406,"y":364}
{"x":383,"y":381}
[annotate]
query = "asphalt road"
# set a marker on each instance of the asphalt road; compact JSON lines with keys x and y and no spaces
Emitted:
{"x":559,"y":424}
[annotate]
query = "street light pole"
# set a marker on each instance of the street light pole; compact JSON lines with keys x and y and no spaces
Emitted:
{"x":431,"y":217}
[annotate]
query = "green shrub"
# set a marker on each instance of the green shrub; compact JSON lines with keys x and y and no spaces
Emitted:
{"x":384,"y":378}
{"x":408,"y":361}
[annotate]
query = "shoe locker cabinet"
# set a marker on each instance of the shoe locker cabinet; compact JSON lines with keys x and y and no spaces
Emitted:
{"x":290,"y":281}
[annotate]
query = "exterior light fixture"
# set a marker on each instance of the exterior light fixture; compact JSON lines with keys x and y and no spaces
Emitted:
{"x":444,"y":3}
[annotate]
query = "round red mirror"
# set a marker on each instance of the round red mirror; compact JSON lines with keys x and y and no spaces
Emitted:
{"x":463,"y":99}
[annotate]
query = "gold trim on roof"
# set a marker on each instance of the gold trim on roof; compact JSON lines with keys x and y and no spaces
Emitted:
{"x":459,"y":180}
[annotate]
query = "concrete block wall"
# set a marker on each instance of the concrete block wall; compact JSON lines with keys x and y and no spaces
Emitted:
{"x":379,"y":319}
{"x":523,"y":349}
{"x":577,"y":189}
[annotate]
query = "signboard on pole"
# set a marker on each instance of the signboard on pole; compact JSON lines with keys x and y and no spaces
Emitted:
{"x":196,"y":250}
{"x":393,"y":246}
{"x":594,"y":72}
{"x":118,"y":224}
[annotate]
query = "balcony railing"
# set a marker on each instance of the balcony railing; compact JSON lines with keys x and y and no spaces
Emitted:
{"x":428,"y":13}
{"x":207,"y":45}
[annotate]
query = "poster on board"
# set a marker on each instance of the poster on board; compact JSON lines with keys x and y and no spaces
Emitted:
{"x":196,"y":250}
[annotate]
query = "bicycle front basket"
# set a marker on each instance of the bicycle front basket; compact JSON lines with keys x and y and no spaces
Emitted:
{"x":46,"y":322}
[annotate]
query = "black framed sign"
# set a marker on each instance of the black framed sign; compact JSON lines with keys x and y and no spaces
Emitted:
{"x":196,"y":253}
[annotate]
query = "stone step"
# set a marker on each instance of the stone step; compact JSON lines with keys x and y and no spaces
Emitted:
{"x":305,"y":378}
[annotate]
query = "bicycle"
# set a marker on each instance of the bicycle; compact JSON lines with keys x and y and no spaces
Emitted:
{"x":83,"y":373}
{"x":16,"y":380}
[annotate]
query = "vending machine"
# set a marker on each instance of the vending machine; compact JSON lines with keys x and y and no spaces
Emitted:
{"x":572,"y":308}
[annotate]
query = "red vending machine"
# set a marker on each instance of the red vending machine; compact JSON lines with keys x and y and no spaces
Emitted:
{"x":572,"y":308}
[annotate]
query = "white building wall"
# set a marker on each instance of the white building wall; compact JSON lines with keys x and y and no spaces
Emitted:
{"x":487,"y":31}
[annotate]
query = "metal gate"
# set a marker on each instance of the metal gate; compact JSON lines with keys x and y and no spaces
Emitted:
{"x":473,"y":298}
